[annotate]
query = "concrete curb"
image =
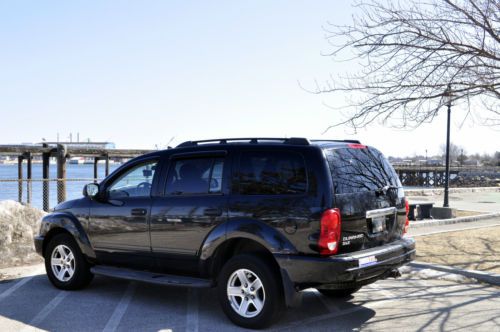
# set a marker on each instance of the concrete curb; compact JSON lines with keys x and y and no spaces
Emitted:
{"x":486,"y":277}
{"x":435,"y":222}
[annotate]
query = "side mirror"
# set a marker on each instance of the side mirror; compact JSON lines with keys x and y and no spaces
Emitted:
{"x":91,"y":190}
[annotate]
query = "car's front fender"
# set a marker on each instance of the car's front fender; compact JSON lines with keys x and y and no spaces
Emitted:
{"x":63,"y":221}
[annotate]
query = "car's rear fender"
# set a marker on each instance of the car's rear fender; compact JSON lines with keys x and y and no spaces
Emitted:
{"x":249,"y":231}
{"x":246,"y":228}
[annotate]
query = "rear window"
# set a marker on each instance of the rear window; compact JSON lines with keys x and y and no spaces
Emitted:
{"x":355,"y":170}
{"x":272,"y":173}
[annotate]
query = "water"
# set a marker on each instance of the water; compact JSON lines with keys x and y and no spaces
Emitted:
{"x":83,"y":174}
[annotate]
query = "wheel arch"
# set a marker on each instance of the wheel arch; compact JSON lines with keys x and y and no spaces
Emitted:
{"x":247,"y":236}
{"x":65,"y":223}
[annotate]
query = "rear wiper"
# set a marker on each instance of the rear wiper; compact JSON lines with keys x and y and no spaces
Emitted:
{"x":384,"y":190}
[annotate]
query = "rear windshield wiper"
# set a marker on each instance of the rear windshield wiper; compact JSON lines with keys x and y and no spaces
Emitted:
{"x":384,"y":190}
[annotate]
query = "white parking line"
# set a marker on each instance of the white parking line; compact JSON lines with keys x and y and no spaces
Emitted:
{"x":192,"y":311}
{"x":18,"y":284}
{"x":120,"y":309}
{"x":46,"y":310}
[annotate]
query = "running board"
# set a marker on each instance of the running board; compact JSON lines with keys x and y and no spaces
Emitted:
{"x":152,"y":278}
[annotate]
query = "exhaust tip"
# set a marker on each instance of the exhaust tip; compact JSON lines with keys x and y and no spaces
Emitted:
{"x":394,"y":274}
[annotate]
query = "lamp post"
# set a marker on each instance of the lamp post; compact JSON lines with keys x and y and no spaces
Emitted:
{"x":447,"y":172}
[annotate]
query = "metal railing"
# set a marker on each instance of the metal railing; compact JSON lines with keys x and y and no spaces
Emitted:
{"x":42,"y":193}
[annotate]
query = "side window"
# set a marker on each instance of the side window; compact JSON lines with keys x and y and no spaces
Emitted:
{"x":136,"y":182}
{"x":272,"y":173}
{"x":195,"y":176}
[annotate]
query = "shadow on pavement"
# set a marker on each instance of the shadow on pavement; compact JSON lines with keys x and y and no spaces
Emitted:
{"x":36,"y":303}
{"x":407,"y":304}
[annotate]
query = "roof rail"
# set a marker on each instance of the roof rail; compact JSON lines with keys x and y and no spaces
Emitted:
{"x":355,"y":141}
{"x":251,"y":140}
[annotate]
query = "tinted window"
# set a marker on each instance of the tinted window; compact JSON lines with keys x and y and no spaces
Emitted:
{"x":195,"y":176}
{"x":355,"y":170}
{"x":135,"y":182}
{"x":272,"y":173}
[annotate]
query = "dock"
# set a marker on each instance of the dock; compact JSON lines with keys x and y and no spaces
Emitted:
{"x":62,"y":152}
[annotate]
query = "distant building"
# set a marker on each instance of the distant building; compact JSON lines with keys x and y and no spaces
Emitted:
{"x":89,"y":145}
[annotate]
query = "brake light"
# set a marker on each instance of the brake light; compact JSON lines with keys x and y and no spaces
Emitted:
{"x":407,"y":222}
{"x":356,"y":146}
{"x":329,"y":236}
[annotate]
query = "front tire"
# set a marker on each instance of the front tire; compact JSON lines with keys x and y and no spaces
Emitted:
{"x":65,"y":264}
{"x":250,"y":292}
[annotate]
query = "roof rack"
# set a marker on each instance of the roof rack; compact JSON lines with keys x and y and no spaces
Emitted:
{"x":355,"y":141}
{"x":251,"y":140}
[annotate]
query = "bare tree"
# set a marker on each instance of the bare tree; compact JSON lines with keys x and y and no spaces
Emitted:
{"x":410,"y":51}
{"x":456,"y":151}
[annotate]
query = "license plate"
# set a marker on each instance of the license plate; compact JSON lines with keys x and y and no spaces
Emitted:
{"x":378,"y":224}
{"x":367,"y":261}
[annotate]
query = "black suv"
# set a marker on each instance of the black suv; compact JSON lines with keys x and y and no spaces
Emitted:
{"x":259,"y":218}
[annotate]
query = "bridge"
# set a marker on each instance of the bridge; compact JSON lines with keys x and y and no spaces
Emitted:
{"x":426,"y":175}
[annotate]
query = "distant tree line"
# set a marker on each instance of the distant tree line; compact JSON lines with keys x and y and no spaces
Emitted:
{"x":458,"y":157}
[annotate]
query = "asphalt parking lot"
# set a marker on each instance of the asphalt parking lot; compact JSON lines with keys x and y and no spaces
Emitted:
{"x":29,"y":302}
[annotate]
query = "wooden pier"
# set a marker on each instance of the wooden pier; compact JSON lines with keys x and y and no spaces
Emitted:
{"x":62,"y":153}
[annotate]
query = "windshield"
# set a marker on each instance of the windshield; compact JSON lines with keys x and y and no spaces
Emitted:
{"x":360,"y":169}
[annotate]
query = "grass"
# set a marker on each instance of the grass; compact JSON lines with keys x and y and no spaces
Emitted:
{"x":475,"y":249}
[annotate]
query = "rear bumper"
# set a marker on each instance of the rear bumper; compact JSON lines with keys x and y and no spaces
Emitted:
{"x":341,"y":271}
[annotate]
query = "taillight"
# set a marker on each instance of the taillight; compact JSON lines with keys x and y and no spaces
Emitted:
{"x":329,"y":236}
{"x":407,"y":222}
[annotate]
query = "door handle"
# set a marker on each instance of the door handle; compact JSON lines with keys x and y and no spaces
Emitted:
{"x":139,"y":212}
{"x":212,"y":212}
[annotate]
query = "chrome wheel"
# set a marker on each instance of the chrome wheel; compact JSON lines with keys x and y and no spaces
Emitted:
{"x":62,"y":262}
{"x":246,"y":293}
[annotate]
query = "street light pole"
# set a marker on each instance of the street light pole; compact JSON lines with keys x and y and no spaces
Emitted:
{"x":447,"y":172}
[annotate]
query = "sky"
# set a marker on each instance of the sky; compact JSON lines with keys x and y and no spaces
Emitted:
{"x":144,"y":74}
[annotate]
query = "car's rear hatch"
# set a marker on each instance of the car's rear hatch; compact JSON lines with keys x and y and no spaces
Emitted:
{"x":369,"y":195}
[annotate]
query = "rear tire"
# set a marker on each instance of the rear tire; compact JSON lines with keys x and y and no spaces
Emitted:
{"x":65,"y":264}
{"x":339,"y":293}
{"x":250,"y":292}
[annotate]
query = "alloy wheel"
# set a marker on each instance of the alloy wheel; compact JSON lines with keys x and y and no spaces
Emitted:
{"x":62,"y":262}
{"x":246,"y":293}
